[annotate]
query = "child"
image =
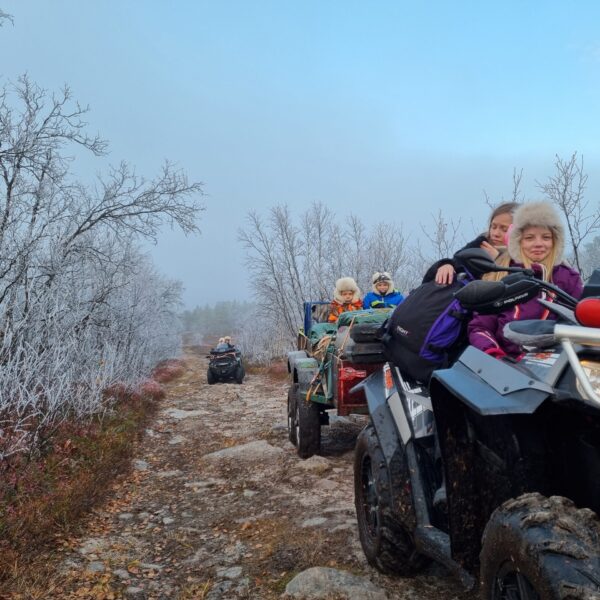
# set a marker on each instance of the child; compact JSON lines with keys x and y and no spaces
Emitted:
{"x":346,"y":296}
{"x":383,"y":295}
{"x":536,"y":241}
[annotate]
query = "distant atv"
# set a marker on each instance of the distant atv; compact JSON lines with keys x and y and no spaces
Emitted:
{"x":494,"y":468}
{"x":225,"y":364}
{"x":331,"y":359}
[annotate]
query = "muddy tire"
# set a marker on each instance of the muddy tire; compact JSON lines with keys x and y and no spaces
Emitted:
{"x":210,"y":378}
{"x":537,"y":548}
{"x":308,"y":426}
{"x":291,"y":412}
{"x":387,"y":544}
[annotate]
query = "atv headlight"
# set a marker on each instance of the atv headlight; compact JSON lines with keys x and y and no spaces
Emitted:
{"x":592,"y":370}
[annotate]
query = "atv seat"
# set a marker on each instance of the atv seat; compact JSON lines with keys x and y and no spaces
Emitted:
{"x":533,"y":333}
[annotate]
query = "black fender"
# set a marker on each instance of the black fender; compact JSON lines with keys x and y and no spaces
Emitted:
{"x":489,"y":386}
{"x":381,"y":415}
{"x":398,"y":457}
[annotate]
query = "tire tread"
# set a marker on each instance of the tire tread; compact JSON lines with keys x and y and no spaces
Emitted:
{"x":552,"y":541}
{"x":394,"y":550}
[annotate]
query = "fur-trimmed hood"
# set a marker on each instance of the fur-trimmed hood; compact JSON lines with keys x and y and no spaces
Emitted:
{"x":346,"y":284}
{"x":536,"y":214}
{"x":377,"y":277}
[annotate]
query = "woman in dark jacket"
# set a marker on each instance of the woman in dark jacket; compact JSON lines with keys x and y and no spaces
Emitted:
{"x":536,"y":241}
{"x":493,"y":242}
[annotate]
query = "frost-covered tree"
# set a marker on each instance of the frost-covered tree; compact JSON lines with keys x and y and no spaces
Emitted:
{"x":566,"y":188}
{"x":290,"y":261}
{"x":81,"y":307}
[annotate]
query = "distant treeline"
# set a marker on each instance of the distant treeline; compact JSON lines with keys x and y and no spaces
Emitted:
{"x":222,"y":318}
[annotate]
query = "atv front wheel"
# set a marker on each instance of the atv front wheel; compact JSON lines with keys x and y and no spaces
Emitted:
{"x":210,"y":377}
{"x":240,"y":374}
{"x":308,"y":426}
{"x":537,"y":548}
{"x":291,"y":413}
{"x":386,"y":542}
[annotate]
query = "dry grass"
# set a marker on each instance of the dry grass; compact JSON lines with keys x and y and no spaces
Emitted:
{"x":43,"y":498}
{"x":276,"y":371}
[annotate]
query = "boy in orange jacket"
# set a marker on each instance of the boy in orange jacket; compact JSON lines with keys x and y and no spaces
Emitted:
{"x":346,"y":296}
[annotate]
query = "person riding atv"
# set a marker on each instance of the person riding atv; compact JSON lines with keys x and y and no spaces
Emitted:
{"x":517,"y":443}
{"x":225,"y":363}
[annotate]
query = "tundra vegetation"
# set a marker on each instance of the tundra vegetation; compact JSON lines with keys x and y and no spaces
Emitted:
{"x":84,"y":314}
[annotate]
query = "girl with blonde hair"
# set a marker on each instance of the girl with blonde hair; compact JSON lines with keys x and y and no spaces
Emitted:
{"x":536,"y":241}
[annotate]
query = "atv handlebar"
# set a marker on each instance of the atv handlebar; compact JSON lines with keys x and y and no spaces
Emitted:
{"x":491,"y":297}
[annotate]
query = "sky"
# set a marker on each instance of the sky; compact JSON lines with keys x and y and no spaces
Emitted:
{"x":389,"y":110}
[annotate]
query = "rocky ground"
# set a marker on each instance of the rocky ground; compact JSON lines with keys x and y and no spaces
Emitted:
{"x":219,"y":506}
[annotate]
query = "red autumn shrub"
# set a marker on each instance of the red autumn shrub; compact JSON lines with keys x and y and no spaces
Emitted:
{"x":119,"y":392}
{"x":151,"y":390}
{"x":168,"y":370}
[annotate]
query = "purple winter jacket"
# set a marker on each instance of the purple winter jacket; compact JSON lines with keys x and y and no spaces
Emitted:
{"x":486,"y":331}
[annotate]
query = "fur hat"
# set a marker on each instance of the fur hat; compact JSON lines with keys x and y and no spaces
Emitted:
{"x":536,"y":214}
{"x":346,"y":284}
{"x":378,"y":278}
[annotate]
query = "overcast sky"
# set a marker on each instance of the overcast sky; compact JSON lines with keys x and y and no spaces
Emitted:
{"x":385,"y":109}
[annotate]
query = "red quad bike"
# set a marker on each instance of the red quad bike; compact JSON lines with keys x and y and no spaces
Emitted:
{"x":331,"y":359}
{"x":493,"y":468}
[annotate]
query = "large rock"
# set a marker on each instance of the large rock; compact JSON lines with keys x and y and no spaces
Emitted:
{"x":256,"y":451}
{"x":322,"y":582}
{"x":314,"y":464}
{"x":176,"y":413}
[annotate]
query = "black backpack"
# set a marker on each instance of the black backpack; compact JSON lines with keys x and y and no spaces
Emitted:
{"x":427,"y":330}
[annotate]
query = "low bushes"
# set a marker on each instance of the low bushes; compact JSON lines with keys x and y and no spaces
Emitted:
{"x":44,"y":494}
{"x":168,"y":370}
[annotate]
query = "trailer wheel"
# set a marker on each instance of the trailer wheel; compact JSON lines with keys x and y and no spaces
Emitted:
{"x":291,"y":413}
{"x":387,"y":544}
{"x":308,"y":426}
{"x":538,"y":548}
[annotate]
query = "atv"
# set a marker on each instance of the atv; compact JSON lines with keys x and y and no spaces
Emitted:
{"x":331,"y":359}
{"x":493,"y":469}
{"x":225,"y":364}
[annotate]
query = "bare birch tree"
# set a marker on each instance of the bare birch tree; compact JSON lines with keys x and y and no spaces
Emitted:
{"x":516,"y":194}
{"x":80,"y":306}
{"x":316,"y":225}
{"x":292,"y":263}
{"x":444,"y":235}
{"x":566,"y":188}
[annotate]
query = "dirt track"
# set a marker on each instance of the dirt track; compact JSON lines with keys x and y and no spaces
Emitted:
{"x":238,"y":524}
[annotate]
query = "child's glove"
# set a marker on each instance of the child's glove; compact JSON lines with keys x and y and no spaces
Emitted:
{"x":496,"y":352}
